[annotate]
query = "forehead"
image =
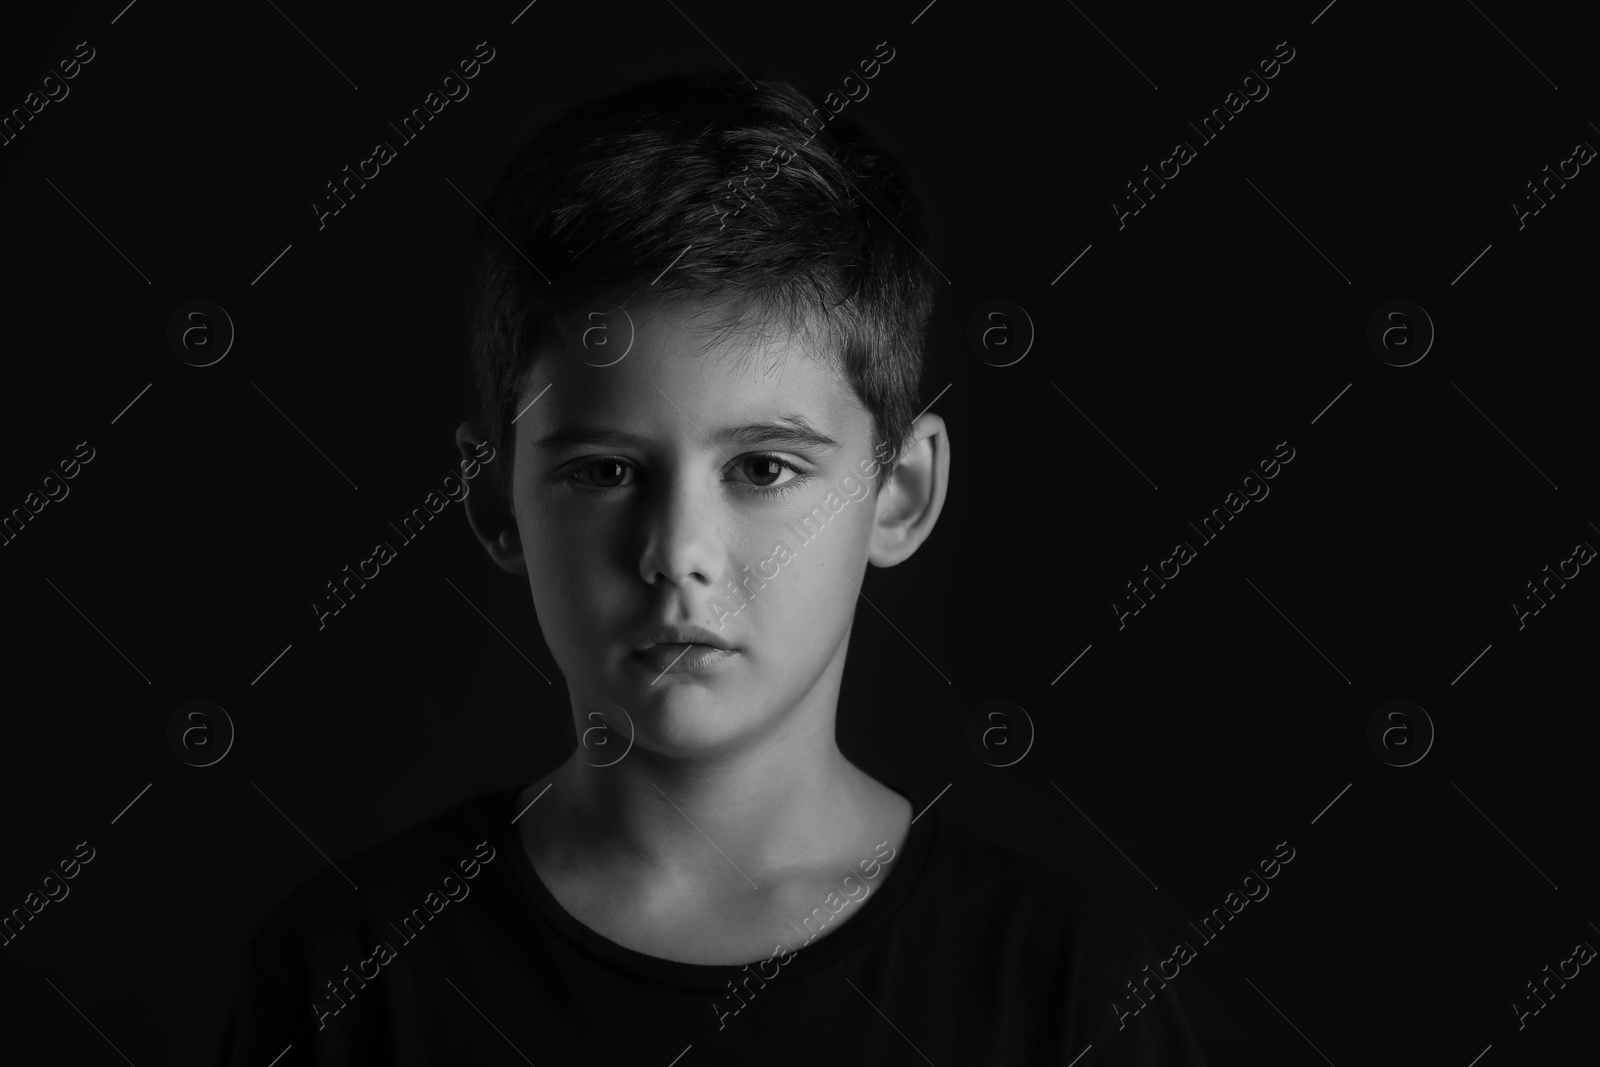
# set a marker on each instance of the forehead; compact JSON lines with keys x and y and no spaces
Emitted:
{"x":669,"y":371}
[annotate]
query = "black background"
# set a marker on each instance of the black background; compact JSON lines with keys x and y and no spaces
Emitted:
{"x":1221,"y":720}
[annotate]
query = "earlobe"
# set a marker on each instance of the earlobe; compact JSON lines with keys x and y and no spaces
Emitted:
{"x":508,"y":552}
{"x":909,"y":505}
{"x":488,"y":512}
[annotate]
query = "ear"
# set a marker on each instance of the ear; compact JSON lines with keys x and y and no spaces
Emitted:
{"x":910,"y":502}
{"x":488,"y":511}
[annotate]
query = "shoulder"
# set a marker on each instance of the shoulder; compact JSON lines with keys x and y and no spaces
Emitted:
{"x":1043,"y":935}
{"x":1015,"y":889}
{"x":1048,"y":936}
{"x":390,"y":876}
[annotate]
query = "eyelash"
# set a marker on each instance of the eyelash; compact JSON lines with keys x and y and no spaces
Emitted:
{"x":569,"y":480}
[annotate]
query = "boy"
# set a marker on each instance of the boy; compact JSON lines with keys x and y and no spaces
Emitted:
{"x":704,"y":410}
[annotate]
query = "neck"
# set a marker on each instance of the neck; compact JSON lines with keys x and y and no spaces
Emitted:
{"x":779,"y":804}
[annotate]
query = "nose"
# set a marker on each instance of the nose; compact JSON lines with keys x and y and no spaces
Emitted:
{"x":683,"y":542}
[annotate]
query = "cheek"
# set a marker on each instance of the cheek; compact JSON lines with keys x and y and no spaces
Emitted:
{"x":811,"y":597}
{"x":573,"y":568}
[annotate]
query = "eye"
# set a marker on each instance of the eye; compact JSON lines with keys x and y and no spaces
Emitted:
{"x":762,"y":470}
{"x":606,"y":473}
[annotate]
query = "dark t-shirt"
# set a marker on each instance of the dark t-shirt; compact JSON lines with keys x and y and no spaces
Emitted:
{"x":961,"y":952}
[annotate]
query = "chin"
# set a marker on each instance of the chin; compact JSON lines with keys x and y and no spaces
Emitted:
{"x":685,"y":723}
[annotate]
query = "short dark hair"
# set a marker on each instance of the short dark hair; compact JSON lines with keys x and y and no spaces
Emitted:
{"x":604,"y":199}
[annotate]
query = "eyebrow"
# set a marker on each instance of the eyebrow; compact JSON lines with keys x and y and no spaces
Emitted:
{"x":792,"y":430}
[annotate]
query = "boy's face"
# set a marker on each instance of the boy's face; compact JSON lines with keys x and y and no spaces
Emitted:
{"x":690,"y":476}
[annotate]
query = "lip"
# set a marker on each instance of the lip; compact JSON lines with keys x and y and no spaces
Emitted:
{"x":678,"y":657}
{"x":680,"y":635}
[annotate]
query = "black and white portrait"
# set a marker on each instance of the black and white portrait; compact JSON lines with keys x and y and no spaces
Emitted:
{"x":655,"y":533}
